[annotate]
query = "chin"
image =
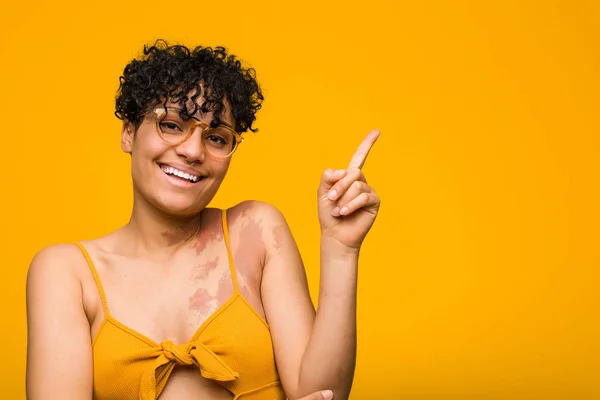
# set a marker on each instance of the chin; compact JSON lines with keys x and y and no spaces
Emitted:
{"x":180,"y":207}
{"x":181,"y":211}
{"x":176,"y":199}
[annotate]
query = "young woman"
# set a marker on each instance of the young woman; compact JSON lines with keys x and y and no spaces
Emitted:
{"x":187,"y":301}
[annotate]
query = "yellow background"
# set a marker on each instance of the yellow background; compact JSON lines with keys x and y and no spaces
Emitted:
{"x":480,"y":278}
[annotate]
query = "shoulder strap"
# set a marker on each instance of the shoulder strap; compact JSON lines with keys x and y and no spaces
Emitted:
{"x":229,"y":253}
{"x":96,"y":277}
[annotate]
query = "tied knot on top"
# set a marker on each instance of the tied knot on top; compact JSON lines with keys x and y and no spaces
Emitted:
{"x":167,"y":355}
{"x":177,"y":353}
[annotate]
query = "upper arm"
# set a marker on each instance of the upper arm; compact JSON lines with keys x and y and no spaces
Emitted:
{"x":59,"y":354}
{"x":285,"y":296}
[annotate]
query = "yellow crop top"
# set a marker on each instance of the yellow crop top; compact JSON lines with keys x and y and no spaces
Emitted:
{"x":233,"y":347}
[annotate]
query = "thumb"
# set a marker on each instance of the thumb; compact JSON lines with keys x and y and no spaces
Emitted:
{"x":329,"y":178}
{"x":322,"y":395}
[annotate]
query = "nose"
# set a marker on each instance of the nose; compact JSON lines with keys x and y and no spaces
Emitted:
{"x":192,"y":149}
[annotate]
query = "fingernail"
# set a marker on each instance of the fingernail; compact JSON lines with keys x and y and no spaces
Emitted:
{"x":339,"y":172}
{"x":344,"y":210}
{"x":335,"y":212}
{"x":332,"y":194}
{"x":327,"y":394}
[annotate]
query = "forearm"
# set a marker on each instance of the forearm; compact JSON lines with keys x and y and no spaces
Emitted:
{"x":330,"y":357}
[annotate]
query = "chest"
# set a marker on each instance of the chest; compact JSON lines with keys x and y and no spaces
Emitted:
{"x":167,"y":300}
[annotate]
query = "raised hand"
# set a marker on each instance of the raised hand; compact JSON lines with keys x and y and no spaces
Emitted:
{"x":347,"y":204}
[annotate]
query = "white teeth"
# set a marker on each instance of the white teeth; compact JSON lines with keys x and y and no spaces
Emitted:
{"x":181,"y":174}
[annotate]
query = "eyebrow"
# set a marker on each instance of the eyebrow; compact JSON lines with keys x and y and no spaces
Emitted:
{"x":227,"y":125}
{"x":200,"y":113}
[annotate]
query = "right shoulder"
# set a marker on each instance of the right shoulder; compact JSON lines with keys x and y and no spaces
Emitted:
{"x":59,"y":353}
{"x":55,"y":264}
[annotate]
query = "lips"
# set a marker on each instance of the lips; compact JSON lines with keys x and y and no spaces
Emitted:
{"x":167,"y":169}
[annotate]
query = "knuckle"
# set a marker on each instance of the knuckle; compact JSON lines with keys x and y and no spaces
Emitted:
{"x":357,"y":186}
{"x":343,"y":183}
{"x":353,"y":191}
{"x":364,"y":197}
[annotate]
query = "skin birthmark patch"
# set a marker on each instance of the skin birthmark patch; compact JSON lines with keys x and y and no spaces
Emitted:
{"x":206,"y":236}
{"x":202,"y":302}
{"x":278,"y":237}
{"x":205,"y":269}
{"x":178,"y":236}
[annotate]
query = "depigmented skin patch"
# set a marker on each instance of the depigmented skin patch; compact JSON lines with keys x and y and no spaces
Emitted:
{"x":179,"y":236}
{"x":249,"y":256}
{"x":279,"y":233}
{"x":225,"y":288}
{"x":251,"y":243}
{"x":202,"y":302}
{"x":205,"y":269}
{"x":200,"y":233}
{"x":213,"y":273}
{"x":208,"y":233}
{"x":187,"y":231}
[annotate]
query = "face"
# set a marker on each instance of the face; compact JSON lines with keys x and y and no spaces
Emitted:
{"x":155,"y":165}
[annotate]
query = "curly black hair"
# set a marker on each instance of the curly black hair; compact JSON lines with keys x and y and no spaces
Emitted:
{"x":170,"y":73}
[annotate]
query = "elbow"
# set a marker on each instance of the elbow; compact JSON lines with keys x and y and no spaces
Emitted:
{"x":342,"y":392}
{"x":340,"y":385}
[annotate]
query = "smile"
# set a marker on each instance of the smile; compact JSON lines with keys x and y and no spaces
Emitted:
{"x":180,"y":174}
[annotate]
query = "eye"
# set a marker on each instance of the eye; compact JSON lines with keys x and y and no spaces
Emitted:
{"x":216,"y":139}
{"x":170,"y":127}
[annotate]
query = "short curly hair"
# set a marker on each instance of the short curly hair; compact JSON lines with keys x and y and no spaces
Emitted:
{"x":170,"y":73}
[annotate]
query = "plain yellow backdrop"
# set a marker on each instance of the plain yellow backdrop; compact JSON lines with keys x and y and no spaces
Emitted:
{"x":480,"y":278}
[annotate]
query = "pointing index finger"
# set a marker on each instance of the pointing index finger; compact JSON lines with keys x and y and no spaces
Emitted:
{"x":359,"y":158}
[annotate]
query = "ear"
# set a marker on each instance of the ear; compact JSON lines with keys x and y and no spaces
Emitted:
{"x":127,"y":133}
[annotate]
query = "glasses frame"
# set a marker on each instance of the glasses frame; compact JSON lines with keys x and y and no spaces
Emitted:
{"x":161,"y":112}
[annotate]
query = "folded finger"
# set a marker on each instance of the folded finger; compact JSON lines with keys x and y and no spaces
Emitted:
{"x":363,"y":200}
{"x":356,"y":188}
{"x":341,"y":186}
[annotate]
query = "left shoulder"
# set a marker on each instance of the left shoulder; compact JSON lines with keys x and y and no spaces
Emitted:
{"x":264,"y":225}
{"x":259,"y":212}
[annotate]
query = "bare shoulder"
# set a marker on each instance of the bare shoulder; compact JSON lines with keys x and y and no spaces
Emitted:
{"x":56,"y":258}
{"x":57,"y":326}
{"x":265,"y":213}
{"x":54,"y":265}
{"x":264,"y":223}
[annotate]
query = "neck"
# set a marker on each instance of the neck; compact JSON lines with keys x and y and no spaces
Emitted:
{"x":152,"y":232}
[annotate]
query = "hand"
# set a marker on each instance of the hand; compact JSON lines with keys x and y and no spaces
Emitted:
{"x":321,"y":395}
{"x":347,"y":204}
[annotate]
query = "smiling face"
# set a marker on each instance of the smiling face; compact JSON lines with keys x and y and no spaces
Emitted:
{"x":181,"y":179}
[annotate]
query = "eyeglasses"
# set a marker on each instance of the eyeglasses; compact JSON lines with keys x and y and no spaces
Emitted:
{"x":219,"y":142}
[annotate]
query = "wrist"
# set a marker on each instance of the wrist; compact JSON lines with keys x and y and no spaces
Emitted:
{"x":331,"y":247}
{"x":339,"y":271}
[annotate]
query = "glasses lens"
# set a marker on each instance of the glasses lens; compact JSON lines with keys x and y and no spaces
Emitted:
{"x":172,"y":127}
{"x":219,"y":142}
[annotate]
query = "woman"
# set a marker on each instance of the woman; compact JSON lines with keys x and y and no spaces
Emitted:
{"x":187,"y":301}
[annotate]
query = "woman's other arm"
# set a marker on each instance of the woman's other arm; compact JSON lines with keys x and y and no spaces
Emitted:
{"x":59,"y":353}
{"x":316,"y":352}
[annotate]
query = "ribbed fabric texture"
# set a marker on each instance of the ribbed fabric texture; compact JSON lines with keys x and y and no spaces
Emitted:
{"x":232,"y":347}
